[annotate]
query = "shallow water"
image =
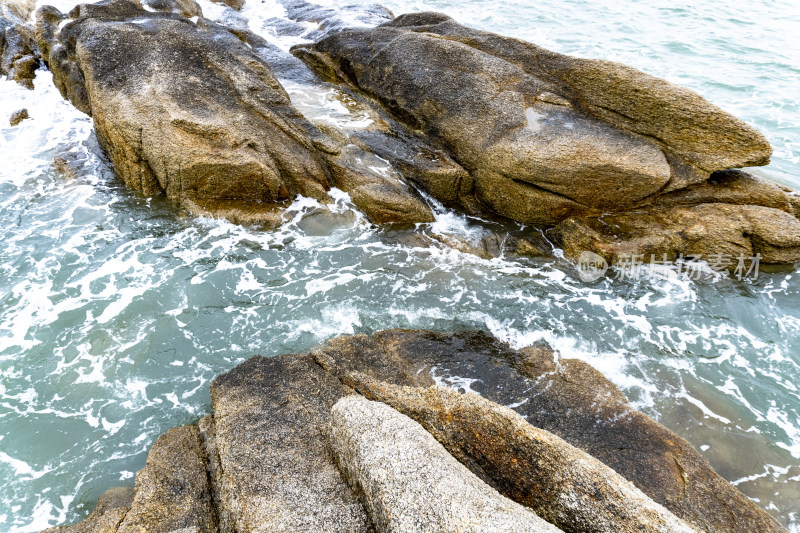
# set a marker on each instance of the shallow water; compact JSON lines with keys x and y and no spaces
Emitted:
{"x":116,"y":311}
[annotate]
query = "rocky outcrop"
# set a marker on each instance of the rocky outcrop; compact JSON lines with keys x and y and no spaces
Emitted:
{"x":19,"y":52}
{"x":277,"y":455}
{"x":561,"y":483}
{"x":410,"y":483}
{"x":273,"y":463}
{"x":200,"y":117}
{"x":109,"y":512}
{"x":566,"y":397}
{"x":546,"y":137}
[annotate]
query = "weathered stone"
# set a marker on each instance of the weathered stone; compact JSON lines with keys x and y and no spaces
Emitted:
{"x":107,"y":515}
{"x":713,"y":232}
{"x":410,"y":483}
{"x":233,"y":4}
{"x":172,"y":491}
{"x":18,"y":116}
{"x":543,"y":135}
{"x":213,"y":128}
{"x":275,"y":471}
{"x":19,"y":52}
{"x":187,"y":8}
{"x":566,"y":397}
{"x":20,"y":9}
{"x":561,"y":483}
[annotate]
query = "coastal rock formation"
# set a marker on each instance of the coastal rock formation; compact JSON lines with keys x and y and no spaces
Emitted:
{"x":566,"y":397}
{"x":293,"y":445}
{"x":109,"y":512}
{"x":574,"y":491}
{"x":547,"y":137}
{"x":200,"y":117}
{"x":410,"y":483}
{"x":19,"y":51}
{"x":18,"y":116}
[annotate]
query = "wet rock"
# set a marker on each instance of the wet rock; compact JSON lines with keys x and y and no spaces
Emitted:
{"x":408,"y":480}
{"x":566,"y":397}
{"x":187,"y":8}
{"x":211,"y":128}
{"x":718,"y":233}
{"x":274,"y":466}
{"x":172,"y":491}
{"x":233,"y":4}
{"x":530,"y":124}
{"x":19,"y":51}
{"x":559,"y":482}
{"x":18,"y":116}
{"x":109,"y":512}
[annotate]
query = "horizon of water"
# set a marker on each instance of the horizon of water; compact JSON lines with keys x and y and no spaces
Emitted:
{"x":116,"y":311}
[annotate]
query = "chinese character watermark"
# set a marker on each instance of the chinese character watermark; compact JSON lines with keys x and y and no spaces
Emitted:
{"x":592,"y":266}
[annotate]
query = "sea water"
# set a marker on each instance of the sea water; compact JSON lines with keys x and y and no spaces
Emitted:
{"x":117,"y":310}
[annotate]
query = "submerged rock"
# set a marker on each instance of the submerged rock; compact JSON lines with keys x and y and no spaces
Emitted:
{"x":561,"y":483}
{"x":410,"y":483}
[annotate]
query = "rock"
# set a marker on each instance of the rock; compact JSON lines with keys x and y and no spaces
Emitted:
{"x":274,"y":469}
{"x":172,"y":491}
{"x":187,"y":8}
{"x":110,"y":510}
{"x":530,"y":124}
{"x":408,"y":480}
{"x":212,"y":128}
{"x":718,"y":233}
{"x":568,"y":398}
{"x":384,"y":197}
{"x":18,"y":116}
{"x":20,"y":9}
{"x":19,"y":52}
{"x":233,"y":4}
{"x":559,"y":482}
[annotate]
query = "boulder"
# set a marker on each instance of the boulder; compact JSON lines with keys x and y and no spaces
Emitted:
{"x":272,"y":467}
{"x":19,"y":51}
{"x":566,"y":397}
{"x":544,"y":135}
{"x":722,"y":234}
{"x":410,"y":483}
{"x":172,"y":491}
{"x":564,"y":485}
{"x":18,"y":116}
{"x":201,"y":117}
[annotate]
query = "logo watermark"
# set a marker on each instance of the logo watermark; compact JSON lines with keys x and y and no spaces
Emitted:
{"x":592,"y":266}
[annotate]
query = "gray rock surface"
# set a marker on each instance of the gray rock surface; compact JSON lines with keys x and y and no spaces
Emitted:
{"x":275,"y":471}
{"x":410,"y":483}
{"x":172,"y":491}
{"x":559,"y":482}
{"x":566,"y":397}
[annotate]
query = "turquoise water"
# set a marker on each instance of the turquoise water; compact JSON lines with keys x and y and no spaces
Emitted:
{"x":116,"y":311}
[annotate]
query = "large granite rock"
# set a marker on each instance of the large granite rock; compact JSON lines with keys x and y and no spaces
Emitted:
{"x":561,"y":483}
{"x":410,"y":483}
{"x":566,"y":397}
{"x":547,"y":137}
{"x":200,"y":117}
{"x":266,"y":460}
{"x":274,"y":469}
{"x":172,"y":491}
